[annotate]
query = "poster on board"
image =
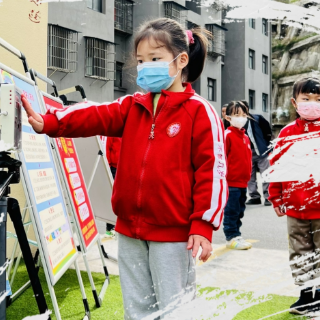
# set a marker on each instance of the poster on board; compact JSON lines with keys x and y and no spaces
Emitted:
{"x":70,"y":166}
{"x":51,"y":222}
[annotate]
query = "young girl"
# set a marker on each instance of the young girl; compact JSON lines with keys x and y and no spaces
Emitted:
{"x":299,"y":201}
{"x":238,"y":153}
{"x":170,"y":189}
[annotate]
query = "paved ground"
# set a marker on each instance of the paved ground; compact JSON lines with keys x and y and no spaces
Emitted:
{"x":262,"y":269}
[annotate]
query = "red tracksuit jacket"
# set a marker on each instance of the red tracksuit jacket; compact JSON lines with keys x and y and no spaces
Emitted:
{"x":171,"y":172}
{"x":113,"y":151}
{"x":239,"y":157}
{"x":300,"y":199}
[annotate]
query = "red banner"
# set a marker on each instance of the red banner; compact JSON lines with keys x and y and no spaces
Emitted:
{"x":77,"y":187}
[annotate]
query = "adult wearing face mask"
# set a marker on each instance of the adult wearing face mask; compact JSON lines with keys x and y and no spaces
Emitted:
{"x":259,"y":132}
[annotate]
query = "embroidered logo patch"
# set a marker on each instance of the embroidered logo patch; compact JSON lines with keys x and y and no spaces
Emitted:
{"x":173,"y":129}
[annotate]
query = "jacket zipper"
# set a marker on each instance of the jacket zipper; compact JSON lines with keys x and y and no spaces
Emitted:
{"x":151,"y":137}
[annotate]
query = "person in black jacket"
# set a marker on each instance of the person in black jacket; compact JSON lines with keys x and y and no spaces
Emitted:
{"x":259,"y":132}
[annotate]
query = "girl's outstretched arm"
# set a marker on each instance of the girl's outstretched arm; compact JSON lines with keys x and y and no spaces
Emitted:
{"x":83,"y":119}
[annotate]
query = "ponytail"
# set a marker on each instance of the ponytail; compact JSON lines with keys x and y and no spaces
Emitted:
{"x":197,"y":54}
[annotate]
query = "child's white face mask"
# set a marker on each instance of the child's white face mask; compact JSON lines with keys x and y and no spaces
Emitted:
{"x":238,"y":122}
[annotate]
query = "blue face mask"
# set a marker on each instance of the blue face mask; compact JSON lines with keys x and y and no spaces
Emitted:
{"x":154,"y":76}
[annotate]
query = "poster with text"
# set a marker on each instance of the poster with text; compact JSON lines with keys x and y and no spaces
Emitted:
{"x":44,"y":188}
{"x":75,"y":181}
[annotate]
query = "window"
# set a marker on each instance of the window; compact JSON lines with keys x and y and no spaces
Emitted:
{"x":217,"y":43}
{"x":251,"y":59}
{"x":99,"y":59}
{"x":176,"y":12}
{"x":252,"y":23}
{"x":264,"y":64}
{"x":252,"y":99}
{"x":62,"y":49}
{"x":212,"y":89}
{"x":194,"y":5}
{"x":95,"y":5}
{"x":191,"y":25}
{"x":123,"y":12}
{"x":264,"y":102}
{"x":118,"y":81}
{"x":265,"y":26}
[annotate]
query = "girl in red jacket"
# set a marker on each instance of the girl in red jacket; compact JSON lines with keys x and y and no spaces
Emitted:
{"x":170,"y":189}
{"x":238,"y":151}
{"x":299,"y":201}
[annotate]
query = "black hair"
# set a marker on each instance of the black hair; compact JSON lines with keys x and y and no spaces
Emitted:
{"x":233,"y":108}
{"x":172,"y":35}
{"x":306,"y":85}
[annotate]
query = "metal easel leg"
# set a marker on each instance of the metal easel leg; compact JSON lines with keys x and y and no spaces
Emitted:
{"x":93,"y":287}
{"x":84,"y":297}
{"x":15,"y":246}
{"x":15,"y":215}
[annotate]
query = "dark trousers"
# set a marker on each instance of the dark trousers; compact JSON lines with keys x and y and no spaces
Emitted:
{"x":113,"y":171}
{"x":234,"y":212}
{"x":260,"y":164}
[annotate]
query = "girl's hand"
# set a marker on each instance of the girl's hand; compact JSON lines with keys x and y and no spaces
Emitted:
{"x":280,"y":211}
{"x":195,"y":241}
{"x":34,"y":118}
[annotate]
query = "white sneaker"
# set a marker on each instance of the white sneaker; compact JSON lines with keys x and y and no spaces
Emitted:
{"x":238,"y":243}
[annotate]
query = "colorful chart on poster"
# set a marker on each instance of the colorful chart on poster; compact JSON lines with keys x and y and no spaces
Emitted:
{"x":44,"y":188}
{"x":75,"y":180}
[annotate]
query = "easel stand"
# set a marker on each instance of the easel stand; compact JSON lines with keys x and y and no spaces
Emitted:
{"x":11,"y":205}
{"x":95,"y":167}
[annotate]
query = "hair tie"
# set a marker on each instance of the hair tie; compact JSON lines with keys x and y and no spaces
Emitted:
{"x":190,"y":38}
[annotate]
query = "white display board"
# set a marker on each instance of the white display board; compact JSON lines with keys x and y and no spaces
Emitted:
{"x":49,"y":215}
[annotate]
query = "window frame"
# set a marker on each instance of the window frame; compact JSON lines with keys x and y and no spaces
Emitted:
{"x":123,"y":16}
{"x":93,"y":7}
{"x":213,"y":87}
{"x":99,"y":65}
{"x":253,"y":59}
{"x":119,"y":64}
{"x":253,"y":104}
{"x":216,"y":45}
{"x":265,"y":106}
{"x":252,"y":23}
{"x":171,"y":10}
{"x":265,"y":63}
{"x":265,"y":27}
{"x":62,"y":49}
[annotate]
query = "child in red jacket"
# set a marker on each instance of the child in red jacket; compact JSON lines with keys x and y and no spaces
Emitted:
{"x":299,"y":201}
{"x":238,"y":152}
{"x":170,"y":189}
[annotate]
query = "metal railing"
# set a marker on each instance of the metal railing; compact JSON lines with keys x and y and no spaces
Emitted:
{"x":62,"y":49}
{"x":123,"y":15}
{"x":100,"y":59}
{"x":217,"y":45}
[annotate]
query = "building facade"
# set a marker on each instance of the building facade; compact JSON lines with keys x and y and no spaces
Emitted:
{"x":91,"y":43}
{"x":246,"y":73}
{"x":30,"y":18}
{"x":81,"y":47}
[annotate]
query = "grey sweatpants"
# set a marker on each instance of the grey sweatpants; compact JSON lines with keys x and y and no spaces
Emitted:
{"x":262,"y":164}
{"x":155,"y":277}
{"x":304,"y":249}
